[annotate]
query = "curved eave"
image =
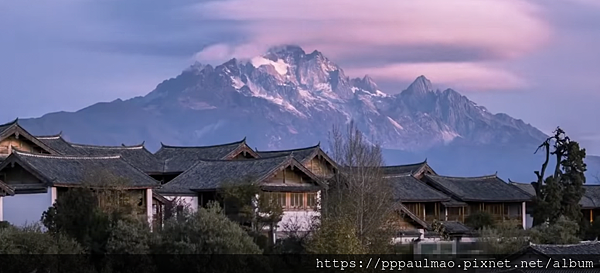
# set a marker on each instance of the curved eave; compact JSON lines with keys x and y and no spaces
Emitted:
{"x":55,"y":136}
{"x":162,"y":145}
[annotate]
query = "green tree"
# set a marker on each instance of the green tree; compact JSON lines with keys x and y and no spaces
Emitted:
{"x":480,"y":220}
{"x":563,"y":231}
{"x":207,"y":231}
{"x":335,"y":235}
{"x":503,"y":239}
{"x":30,"y":242}
{"x":559,"y":194}
{"x":89,"y":213}
{"x":254,"y":209}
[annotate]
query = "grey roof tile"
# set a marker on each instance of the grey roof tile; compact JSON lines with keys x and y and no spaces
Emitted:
{"x":483,"y":188}
{"x":526,"y":188}
{"x":213,"y":174}
{"x":455,"y":227}
{"x":136,"y":155}
{"x":405,"y":211}
{"x":454,"y":203}
{"x":589,"y":200}
{"x":181,"y":158}
{"x":6,"y":189}
{"x":409,"y":189}
{"x":6,"y":126}
{"x":14,"y":127}
{"x":300,"y":154}
{"x":591,"y":197}
{"x":405,"y":169}
{"x":73,"y":170}
{"x":587,"y":248}
{"x":58,"y":143}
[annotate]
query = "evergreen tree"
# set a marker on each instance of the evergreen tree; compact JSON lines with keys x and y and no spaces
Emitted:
{"x":559,"y":194}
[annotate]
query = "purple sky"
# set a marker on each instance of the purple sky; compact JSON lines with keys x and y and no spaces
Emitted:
{"x":535,"y":60}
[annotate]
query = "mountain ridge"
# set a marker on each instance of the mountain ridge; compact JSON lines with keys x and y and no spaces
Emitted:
{"x":287,"y":98}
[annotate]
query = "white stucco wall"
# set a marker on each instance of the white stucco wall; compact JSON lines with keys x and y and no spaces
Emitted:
{"x":528,"y":221}
{"x":191,"y":202}
{"x":22,"y":209}
{"x":301,"y":220}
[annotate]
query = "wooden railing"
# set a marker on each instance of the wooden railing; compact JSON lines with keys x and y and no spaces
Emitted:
{"x":497,"y":218}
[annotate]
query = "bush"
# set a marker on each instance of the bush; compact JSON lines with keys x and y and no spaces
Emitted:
{"x":29,"y":243}
{"x":335,"y":235}
{"x":32,"y":240}
{"x":479,"y":220}
{"x":506,"y":238}
{"x":563,"y":232}
{"x":207,"y":231}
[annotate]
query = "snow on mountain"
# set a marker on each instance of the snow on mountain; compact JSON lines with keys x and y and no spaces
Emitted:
{"x":288,"y":97}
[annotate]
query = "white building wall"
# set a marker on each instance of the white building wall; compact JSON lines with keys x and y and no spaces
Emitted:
{"x":190,"y":202}
{"x":23,"y":209}
{"x":528,"y":221}
{"x":301,"y":220}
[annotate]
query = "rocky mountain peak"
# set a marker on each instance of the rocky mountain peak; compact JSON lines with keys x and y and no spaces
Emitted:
{"x":421,"y":85}
{"x":366,"y":83}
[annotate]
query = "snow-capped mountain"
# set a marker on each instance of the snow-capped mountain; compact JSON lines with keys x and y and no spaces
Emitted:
{"x":299,"y":93}
{"x":288,"y":98}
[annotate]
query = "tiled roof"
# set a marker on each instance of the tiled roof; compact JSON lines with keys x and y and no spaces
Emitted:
{"x":73,"y":170}
{"x":181,"y":158}
{"x":453,"y":203}
{"x":404,"y":169}
{"x":483,"y":188}
{"x":455,"y":227}
{"x":300,"y":154}
{"x":6,"y":126}
{"x":13,"y":127}
{"x":591,"y":197}
{"x":6,"y":189}
{"x":587,"y":248}
{"x":405,"y":211}
{"x":58,"y":143}
{"x":136,"y":155}
{"x":589,"y":200}
{"x":213,"y":174}
{"x":524,"y":187}
{"x":409,"y":189}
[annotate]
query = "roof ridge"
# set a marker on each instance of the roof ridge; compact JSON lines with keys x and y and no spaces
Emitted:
{"x":20,"y":153}
{"x":245,"y":160}
{"x":404,"y":165}
{"x":568,"y":245}
{"x":16,"y":121}
{"x":466,"y":177}
{"x":291,"y":150}
{"x":209,"y":146}
{"x":122,"y":147}
{"x":56,"y":136}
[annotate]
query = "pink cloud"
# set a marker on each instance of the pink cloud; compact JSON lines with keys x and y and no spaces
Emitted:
{"x":500,"y":29}
{"x":470,"y":76}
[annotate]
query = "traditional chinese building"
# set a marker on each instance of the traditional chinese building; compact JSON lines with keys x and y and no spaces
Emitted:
{"x":590,"y":201}
{"x":485,"y":193}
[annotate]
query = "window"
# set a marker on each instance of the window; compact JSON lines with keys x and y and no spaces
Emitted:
{"x":296,"y":200}
{"x":311,"y":200}
{"x":281,"y":199}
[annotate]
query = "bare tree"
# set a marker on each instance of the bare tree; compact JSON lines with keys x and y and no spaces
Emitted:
{"x":359,"y":191}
